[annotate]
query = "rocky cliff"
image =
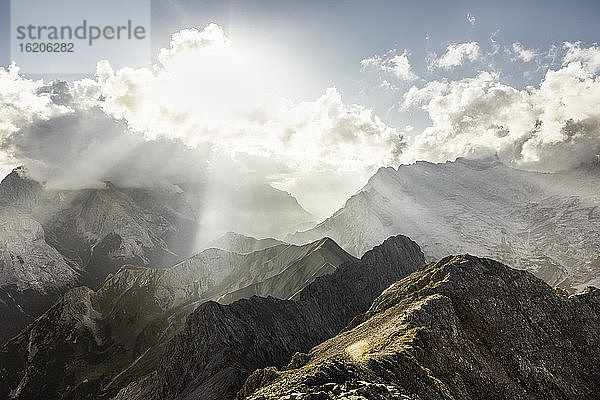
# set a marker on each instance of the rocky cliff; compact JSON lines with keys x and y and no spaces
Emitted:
{"x":92,"y":343}
{"x":462,"y":328}
{"x":546,"y":223}
{"x":222,"y":344}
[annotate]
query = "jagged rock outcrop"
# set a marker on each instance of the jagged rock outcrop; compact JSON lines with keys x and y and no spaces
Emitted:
{"x":461,"y":328}
{"x":546,"y":223}
{"x":17,"y":189}
{"x":222,"y":344}
{"x":26,"y":260}
{"x":92,"y":343}
{"x":32,"y":273}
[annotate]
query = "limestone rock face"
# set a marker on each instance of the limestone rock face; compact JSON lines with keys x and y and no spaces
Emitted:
{"x":546,"y":223}
{"x":221,"y":345}
{"x":32,"y":273}
{"x":461,"y":328}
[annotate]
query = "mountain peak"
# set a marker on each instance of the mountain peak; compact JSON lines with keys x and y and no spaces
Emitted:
{"x":543,"y":222}
{"x":18,"y":189}
{"x":464,"y":327}
{"x":221,"y":344}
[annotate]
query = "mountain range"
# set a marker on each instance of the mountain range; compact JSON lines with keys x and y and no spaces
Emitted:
{"x":107,"y":337}
{"x":221,"y":345}
{"x":546,"y":223}
{"x":54,"y":240}
{"x":461,"y":328}
{"x":107,"y":296}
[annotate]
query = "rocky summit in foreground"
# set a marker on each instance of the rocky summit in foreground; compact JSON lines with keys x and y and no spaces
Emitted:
{"x":221,"y":345}
{"x":462,"y":328}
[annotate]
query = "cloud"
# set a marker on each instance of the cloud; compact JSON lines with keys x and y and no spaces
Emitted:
{"x":202,"y":107}
{"x":417,"y":96}
{"x":66,"y":140}
{"x":400,"y":67}
{"x":589,"y":57}
{"x":203,"y":95}
{"x":456,"y":54}
{"x":553,"y":127}
{"x":523,"y":54}
{"x":21,"y":102}
{"x":391,"y":63}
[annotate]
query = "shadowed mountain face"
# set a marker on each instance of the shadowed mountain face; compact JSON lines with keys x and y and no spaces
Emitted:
{"x":462,"y":328}
{"x":222,"y":344}
{"x":548,"y":224}
{"x":53,"y":240}
{"x":92,"y":343}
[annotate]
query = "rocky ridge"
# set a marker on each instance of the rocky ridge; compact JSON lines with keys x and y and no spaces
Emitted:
{"x":222,"y":344}
{"x":238,"y":243}
{"x":461,"y":328}
{"x":92,"y":343}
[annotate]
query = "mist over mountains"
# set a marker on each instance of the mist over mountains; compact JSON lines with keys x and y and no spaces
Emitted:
{"x":214,"y":122}
{"x":53,"y":240}
{"x":137,"y":331}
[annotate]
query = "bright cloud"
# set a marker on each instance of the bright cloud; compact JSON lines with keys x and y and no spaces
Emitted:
{"x":589,"y":57}
{"x":22,"y":102}
{"x":392,"y":63}
{"x":523,"y":54}
{"x":202,"y":94}
{"x":456,"y":54}
{"x":202,"y":106}
{"x":417,"y":96}
{"x":553,"y":127}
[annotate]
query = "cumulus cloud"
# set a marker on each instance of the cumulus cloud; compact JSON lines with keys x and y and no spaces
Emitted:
{"x":201,"y":93}
{"x":589,"y":57}
{"x":417,"y":96}
{"x":456,"y":55}
{"x":201,"y":107}
{"x":22,"y":102}
{"x":553,"y":127}
{"x":522,"y":53}
{"x":391,"y":63}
